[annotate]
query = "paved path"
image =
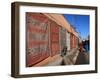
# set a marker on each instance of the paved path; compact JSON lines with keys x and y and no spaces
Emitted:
{"x":68,"y":59}
{"x":71,"y":58}
{"x":83,"y":58}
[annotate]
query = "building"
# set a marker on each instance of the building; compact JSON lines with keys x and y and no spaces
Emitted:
{"x":47,"y":34}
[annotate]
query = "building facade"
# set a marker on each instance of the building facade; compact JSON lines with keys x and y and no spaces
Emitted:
{"x":46,"y":36}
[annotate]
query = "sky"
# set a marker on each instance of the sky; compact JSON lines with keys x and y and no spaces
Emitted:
{"x":80,"y":22}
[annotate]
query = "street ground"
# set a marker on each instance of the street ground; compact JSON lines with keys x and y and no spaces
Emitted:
{"x":73,"y":57}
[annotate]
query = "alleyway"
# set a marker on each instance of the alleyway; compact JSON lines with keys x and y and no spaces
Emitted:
{"x":82,"y":58}
{"x":72,"y":57}
{"x":76,"y":58}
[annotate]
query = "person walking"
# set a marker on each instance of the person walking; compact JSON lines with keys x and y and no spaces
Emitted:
{"x":63,"y":54}
{"x":64,"y":51}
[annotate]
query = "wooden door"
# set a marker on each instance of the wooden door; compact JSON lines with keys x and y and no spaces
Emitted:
{"x":71,"y":40}
{"x":54,"y":37}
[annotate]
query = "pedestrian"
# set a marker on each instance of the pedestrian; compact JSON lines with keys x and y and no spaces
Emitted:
{"x":63,"y":54}
{"x":64,"y":51}
{"x":81,"y":47}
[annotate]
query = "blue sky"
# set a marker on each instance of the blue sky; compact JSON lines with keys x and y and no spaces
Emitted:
{"x":80,"y":22}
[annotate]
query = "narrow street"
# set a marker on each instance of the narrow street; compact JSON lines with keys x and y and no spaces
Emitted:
{"x":73,"y":57}
{"x":70,"y":57}
{"x":76,"y":58}
{"x":82,"y":58}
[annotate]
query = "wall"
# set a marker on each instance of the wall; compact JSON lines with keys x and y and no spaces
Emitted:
{"x":5,"y":40}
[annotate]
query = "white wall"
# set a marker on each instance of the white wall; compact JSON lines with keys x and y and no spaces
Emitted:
{"x":5,"y":40}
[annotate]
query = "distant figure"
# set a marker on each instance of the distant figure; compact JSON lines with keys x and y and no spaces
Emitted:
{"x":81,"y":47}
{"x":86,"y":45}
{"x":64,"y":51}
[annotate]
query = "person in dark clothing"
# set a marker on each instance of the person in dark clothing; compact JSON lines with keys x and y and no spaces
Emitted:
{"x":64,"y":51}
{"x":81,"y":47}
